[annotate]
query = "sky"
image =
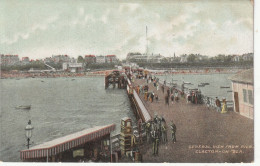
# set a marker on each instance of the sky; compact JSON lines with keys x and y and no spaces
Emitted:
{"x":40,"y":29}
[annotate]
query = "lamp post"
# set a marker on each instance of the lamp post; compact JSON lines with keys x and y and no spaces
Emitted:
{"x":28,"y":132}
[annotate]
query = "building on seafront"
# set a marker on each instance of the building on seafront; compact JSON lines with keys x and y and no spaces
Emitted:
{"x":138,"y":57}
{"x":89,"y":59}
{"x":9,"y":60}
{"x":60,"y":58}
{"x":73,"y":67}
{"x":100,"y":59}
{"x":243,"y":93}
{"x":25,"y":60}
{"x":111,"y":59}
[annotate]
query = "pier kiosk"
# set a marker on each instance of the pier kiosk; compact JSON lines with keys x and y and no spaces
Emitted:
{"x":125,"y":135}
{"x":91,"y":144}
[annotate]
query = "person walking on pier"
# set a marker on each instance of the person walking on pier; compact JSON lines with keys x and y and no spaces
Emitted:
{"x":208,"y":102}
{"x":156,"y":98}
{"x":152,"y":96}
{"x":182,"y":94}
{"x":164,"y":133}
{"x":154,"y":83}
{"x":218,"y":104}
{"x":196,"y":97}
{"x":141,"y":89}
{"x":224,"y":107}
{"x":162,"y":88}
{"x":189,"y":96}
{"x":171,"y":89}
{"x":155,"y":142}
{"x":145,"y":96}
{"x":182,"y":87}
{"x":148,"y":132}
{"x":176,"y":95}
{"x":166,"y":100}
{"x":168,"y":92}
{"x":173,"y":132}
{"x":193,"y":97}
{"x":138,"y":89}
{"x":172,"y":98}
{"x":134,"y":140}
{"x":156,"y":118}
{"x":164,"y":129}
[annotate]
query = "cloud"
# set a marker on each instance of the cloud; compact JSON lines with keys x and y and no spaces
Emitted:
{"x":81,"y":11}
{"x":30,"y":31}
{"x":104,"y":17}
{"x":128,"y":7}
{"x":84,"y":27}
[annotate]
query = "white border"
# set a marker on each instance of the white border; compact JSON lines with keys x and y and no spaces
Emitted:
{"x":256,"y":112}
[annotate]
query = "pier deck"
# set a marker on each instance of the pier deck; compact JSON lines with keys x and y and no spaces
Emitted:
{"x":196,"y":125}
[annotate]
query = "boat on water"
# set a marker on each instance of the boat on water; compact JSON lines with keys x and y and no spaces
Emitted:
{"x":202,"y":84}
{"x":225,"y":87}
{"x":187,"y":83}
{"x":24,"y":107}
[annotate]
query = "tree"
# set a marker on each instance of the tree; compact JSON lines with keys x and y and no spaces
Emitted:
{"x":228,"y":58}
{"x":164,"y":60}
{"x":80,"y":59}
{"x":191,"y":58}
{"x":220,"y":58}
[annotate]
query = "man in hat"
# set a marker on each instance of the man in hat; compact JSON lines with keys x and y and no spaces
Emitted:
{"x":218,"y":104}
{"x":208,"y":102}
{"x":148,"y":131}
{"x":173,"y":130}
{"x":134,"y":140}
{"x":163,"y":88}
{"x":164,"y":133}
{"x":166,"y":100}
{"x":155,"y":139}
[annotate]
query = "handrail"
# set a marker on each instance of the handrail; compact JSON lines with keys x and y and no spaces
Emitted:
{"x":212,"y":103}
{"x":142,"y":107}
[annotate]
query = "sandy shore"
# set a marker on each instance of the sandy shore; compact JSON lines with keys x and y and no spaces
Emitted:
{"x":22,"y":74}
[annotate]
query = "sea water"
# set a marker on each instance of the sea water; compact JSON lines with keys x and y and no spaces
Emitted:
{"x":59,"y":106}
{"x":214,"y":89}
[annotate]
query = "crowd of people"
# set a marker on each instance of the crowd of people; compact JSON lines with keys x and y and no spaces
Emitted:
{"x":172,"y":94}
{"x":194,"y":96}
{"x":156,"y":132}
{"x":222,"y":109}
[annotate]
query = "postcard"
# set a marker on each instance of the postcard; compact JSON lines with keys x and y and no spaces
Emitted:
{"x":127,"y":81}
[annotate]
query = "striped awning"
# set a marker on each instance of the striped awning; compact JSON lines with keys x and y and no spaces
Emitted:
{"x":67,"y":142}
{"x":144,"y":111}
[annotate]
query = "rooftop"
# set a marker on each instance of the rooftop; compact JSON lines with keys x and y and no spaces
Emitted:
{"x":244,"y":76}
{"x":70,"y":137}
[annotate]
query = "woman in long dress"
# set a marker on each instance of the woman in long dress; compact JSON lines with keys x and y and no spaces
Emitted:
{"x":224,"y":106}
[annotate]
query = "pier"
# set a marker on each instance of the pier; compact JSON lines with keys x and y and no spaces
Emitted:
{"x":203,"y":135}
{"x":115,"y":78}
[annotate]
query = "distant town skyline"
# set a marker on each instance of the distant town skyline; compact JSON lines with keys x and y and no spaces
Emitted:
{"x":39,"y":29}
